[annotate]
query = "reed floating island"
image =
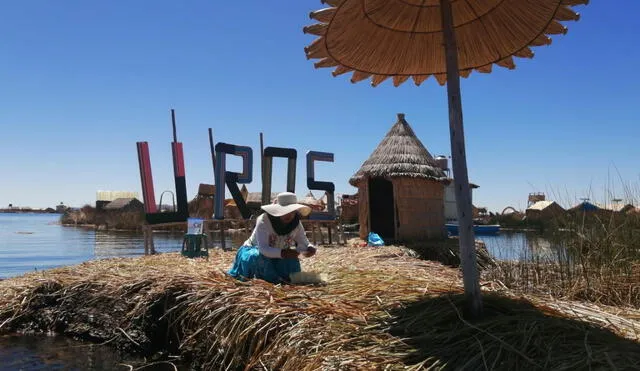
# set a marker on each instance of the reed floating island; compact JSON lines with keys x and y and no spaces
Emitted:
{"x":382,"y":308}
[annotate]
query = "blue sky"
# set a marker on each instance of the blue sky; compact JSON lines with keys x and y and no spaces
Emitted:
{"x":83,"y":81}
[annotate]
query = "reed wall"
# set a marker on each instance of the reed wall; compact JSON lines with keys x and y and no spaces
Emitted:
{"x":419,"y":207}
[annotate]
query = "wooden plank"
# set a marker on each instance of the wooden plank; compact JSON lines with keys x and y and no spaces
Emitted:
{"x":463,"y":195}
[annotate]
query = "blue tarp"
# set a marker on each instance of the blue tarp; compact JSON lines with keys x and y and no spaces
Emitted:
{"x":374,"y":239}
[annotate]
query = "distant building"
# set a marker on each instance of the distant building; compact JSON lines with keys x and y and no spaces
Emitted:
{"x":349,"y":208}
{"x":585,"y":206}
{"x":124,"y":204}
{"x":312,"y":202}
{"x":105,"y":197}
{"x":617,"y":207}
{"x":544,"y":210}
{"x":202,"y":205}
{"x":450,"y":205}
{"x":254,"y":200}
{"x":535,"y":197}
{"x":60,"y":209}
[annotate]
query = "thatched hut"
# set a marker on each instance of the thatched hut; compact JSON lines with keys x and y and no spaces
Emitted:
{"x":545,"y":210}
{"x":618,"y":207}
{"x":202,"y":205}
{"x":586,"y":208}
{"x":244,"y":192}
{"x":125,"y":204}
{"x":400,"y":188}
{"x":349,"y":208}
{"x":231,"y":210}
{"x":254,"y":201}
{"x":312,"y":202}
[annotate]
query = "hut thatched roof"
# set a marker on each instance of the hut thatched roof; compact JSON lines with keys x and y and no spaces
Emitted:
{"x":400,"y":154}
{"x":541,"y":205}
{"x":585,"y":206}
{"x":244,"y":192}
{"x":254,"y":199}
{"x":312,"y":202}
{"x":616,"y":207}
{"x":121,"y":203}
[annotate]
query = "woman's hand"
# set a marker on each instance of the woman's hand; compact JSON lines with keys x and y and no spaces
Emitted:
{"x":311,"y":251}
{"x":289,"y":254}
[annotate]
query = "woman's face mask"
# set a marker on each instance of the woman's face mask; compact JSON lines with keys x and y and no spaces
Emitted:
{"x":288,"y":217}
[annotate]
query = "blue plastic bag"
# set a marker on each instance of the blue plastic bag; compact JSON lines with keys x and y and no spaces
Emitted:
{"x":374,"y":239}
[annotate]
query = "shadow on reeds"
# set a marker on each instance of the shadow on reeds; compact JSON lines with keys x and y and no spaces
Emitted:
{"x":447,"y":252}
{"x":512,"y":335}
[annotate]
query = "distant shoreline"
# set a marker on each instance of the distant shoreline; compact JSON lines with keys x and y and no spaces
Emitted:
{"x":32,"y":211}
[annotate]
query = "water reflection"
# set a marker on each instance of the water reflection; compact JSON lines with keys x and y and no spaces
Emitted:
{"x":108,"y":244}
{"x":518,"y":246}
{"x":27,"y":352}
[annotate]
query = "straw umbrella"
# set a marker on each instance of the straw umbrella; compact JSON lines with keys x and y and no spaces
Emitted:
{"x":402,"y":39}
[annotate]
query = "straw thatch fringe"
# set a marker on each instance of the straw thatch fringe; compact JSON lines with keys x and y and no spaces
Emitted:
{"x":383,"y":309}
{"x":369,"y":37}
{"x":399,"y":154}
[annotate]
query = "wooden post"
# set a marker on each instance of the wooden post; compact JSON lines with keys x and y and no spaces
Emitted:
{"x":213,"y":152}
{"x":173,"y":124}
{"x":207,"y":240}
{"x":145,"y":240}
{"x":152,"y":248}
{"x":313,"y":234}
{"x":223,"y":242}
{"x":460,"y":176}
{"x":266,"y":188}
{"x":329,"y":227}
{"x":262,"y":156}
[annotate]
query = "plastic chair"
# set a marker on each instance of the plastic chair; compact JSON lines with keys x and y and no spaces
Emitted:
{"x":195,"y":246}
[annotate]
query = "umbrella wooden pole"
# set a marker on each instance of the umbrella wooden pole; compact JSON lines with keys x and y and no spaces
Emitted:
{"x":460,"y":175}
{"x":265,"y":189}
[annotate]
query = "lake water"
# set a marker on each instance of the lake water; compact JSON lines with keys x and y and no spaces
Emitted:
{"x":36,"y":241}
{"x":31,"y":242}
{"x":27,"y":352}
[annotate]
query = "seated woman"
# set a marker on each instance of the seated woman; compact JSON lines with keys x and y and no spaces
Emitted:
{"x":266,"y":254}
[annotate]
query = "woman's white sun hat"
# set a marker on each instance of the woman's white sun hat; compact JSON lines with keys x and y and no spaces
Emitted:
{"x":286,"y":202}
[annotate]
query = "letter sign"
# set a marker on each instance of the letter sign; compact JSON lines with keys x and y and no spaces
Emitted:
{"x":313,"y":184}
{"x":231,"y":179}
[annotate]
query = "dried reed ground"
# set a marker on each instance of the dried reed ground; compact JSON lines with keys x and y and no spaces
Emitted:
{"x":383,"y":309}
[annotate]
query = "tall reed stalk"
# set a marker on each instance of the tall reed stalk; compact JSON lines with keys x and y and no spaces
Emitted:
{"x":596,"y":257}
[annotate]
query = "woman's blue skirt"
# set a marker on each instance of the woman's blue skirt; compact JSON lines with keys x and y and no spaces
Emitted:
{"x":251,"y":264}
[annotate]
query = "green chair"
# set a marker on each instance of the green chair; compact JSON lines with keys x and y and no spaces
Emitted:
{"x":195,"y":246}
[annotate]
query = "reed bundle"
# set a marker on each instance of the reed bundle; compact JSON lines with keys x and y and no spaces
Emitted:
{"x":382,"y":309}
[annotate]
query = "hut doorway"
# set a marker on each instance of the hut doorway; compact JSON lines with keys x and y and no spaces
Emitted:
{"x":382,"y":208}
